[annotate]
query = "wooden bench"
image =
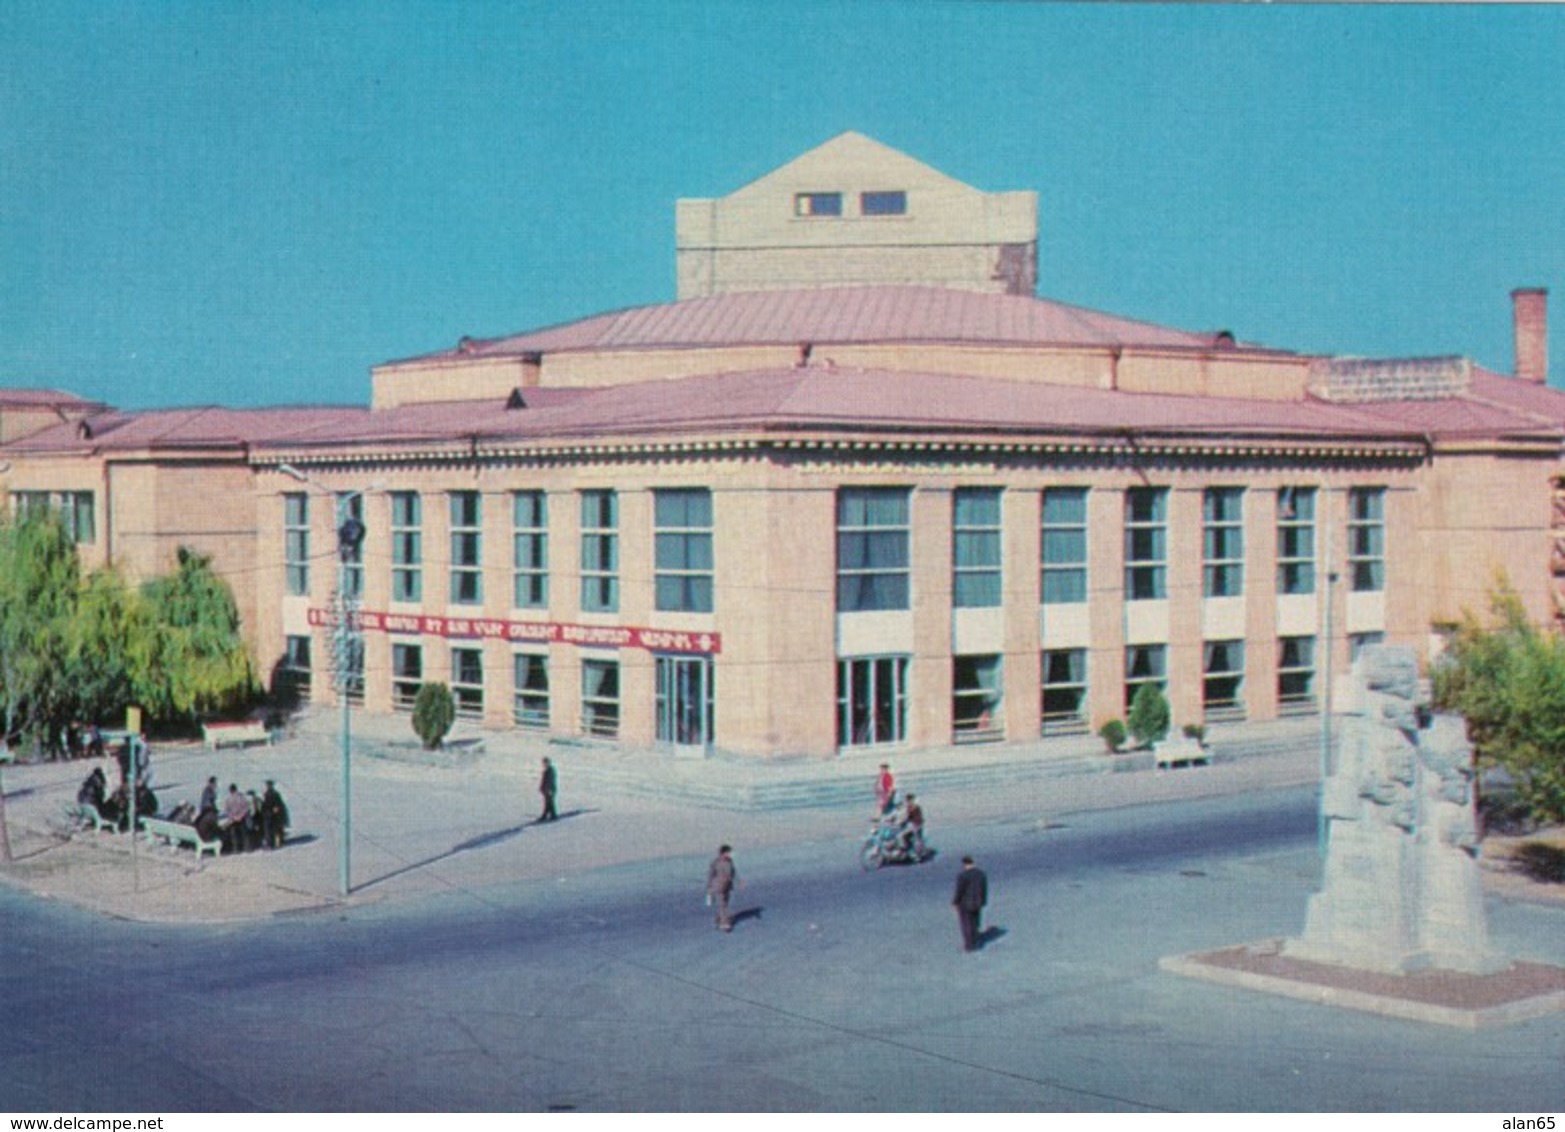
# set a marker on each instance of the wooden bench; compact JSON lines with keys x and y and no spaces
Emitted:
{"x":86,"y":815}
{"x":176,"y":835}
{"x":217,"y":735}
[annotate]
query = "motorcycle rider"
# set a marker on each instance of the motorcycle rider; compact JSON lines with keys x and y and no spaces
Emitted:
{"x":911,"y":831}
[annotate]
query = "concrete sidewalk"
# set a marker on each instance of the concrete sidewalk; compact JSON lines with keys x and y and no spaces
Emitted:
{"x":462,"y":819}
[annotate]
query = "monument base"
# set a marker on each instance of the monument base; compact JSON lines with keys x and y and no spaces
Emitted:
{"x":1450,"y":998}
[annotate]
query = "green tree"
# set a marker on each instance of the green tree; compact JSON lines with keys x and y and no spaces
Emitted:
{"x":200,"y":664}
{"x":1150,"y":716}
{"x":39,"y":578}
{"x":433,"y":713}
{"x":114,"y":648}
{"x":1508,"y":679}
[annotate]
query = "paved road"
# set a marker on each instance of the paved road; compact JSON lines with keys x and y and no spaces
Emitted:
{"x":840,"y":990}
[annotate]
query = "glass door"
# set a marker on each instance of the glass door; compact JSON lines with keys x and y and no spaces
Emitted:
{"x":684,"y":702}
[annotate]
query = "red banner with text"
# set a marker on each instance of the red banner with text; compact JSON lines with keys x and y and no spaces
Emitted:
{"x":531,"y":632}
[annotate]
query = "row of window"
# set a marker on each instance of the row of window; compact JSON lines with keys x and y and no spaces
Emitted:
{"x":874,"y":538}
{"x":872,"y":692}
{"x":878,"y":202}
{"x":684,"y":688}
{"x":683,"y":558}
{"x":874,"y":535}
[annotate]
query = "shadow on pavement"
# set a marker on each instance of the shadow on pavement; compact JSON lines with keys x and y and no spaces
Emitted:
{"x":990,"y":935}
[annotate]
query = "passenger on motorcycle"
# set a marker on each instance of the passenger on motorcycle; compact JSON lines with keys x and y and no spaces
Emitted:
{"x":910,"y":826}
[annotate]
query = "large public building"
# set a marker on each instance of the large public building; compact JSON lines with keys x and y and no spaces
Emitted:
{"x":858,"y":487}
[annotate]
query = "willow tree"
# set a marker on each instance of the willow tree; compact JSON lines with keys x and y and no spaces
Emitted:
{"x":200,"y":664}
{"x":39,"y":579}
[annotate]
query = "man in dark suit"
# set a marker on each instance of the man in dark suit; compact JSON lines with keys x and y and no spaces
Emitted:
{"x":548,"y":786}
{"x":972,"y":893}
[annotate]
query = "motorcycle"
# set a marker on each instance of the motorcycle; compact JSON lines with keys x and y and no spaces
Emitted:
{"x":885,"y":846}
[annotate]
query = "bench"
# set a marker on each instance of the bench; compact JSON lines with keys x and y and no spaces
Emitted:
{"x":86,"y":815}
{"x":176,"y":835}
{"x":217,"y":735}
{"x":1180,"y":752}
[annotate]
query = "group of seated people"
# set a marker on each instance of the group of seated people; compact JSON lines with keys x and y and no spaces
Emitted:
{"x":243,"y":821}
{"x":115,"y":806}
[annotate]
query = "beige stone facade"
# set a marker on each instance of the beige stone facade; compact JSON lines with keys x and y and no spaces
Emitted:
{"x":795,"y":521}
{"x":853,"y":211}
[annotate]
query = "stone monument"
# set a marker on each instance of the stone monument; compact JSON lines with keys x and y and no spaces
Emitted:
{"x":1401,"y":891}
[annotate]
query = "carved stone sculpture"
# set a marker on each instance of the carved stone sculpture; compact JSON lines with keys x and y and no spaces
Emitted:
{"x":1401,"y":889}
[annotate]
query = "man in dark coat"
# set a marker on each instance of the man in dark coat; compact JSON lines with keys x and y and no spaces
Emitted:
{"x":721,"y":877}
{"x":972,"y":893}
{"x":274,"y":817}
{"x":548,"y":784}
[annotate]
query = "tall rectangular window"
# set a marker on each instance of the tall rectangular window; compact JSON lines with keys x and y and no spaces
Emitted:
{"x":407,"y":675}
{"x":1223,"y":679}
{"x":872,"y":549}
{"x":1146,"y":544}
{"x":1367,"y":538}
{"x":600,"y":698}
{"x":293,"y":673}
{"x":1064,"y":550}
{"x":1064,"y":690}
{"x":975,"y":547}
{"x":296,"y":541}
{"x":977,"y":698}
{"x":871,"y":701}
{"x":1144,"y":664}
{"x":1296,"y":673}
{"x":531,"y":706}
{"x":350,"y":506}
{"x":683,"y":549}
{"x":467,"y":682}
{"x":600,"y":551}
{"x":407,"y":546}
{"x":530,"y":558}
{"x":467,"y":548}
{"x":1223,"y":541}
{"x":1296,"y":540}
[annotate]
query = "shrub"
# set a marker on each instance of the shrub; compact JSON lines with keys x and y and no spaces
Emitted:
{"x":1149,"y":714}
{"x":433,"y":713}
{"x":1195,"y":731}
{"x":1113,"y":735}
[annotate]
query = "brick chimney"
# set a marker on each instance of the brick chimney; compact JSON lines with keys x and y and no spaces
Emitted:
{"x":1530,"y":313}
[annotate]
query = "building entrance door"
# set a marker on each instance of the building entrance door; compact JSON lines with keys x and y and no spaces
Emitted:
{"x":684,"y":703}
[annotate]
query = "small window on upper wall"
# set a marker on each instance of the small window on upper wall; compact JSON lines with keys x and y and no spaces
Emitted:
{"x":817,"y":204}
{"x":885,"y":202}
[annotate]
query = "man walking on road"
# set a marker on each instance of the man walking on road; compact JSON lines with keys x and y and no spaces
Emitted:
{"x":972,"y":893}
{"x":721,"y":876}
{"x":548,"y":784}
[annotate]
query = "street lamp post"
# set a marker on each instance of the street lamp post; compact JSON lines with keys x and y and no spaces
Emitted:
{"x":350,"y":537}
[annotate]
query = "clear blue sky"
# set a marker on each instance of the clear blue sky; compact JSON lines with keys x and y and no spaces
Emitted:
{"x":253,"y":203}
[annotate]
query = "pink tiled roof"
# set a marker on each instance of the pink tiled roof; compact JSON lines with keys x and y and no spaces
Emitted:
{"x":840,"y":315}
{"x":45,"y":399}
{"x":823,"y":398}
{"x":201,"y":427}
{"x":1493,"y":406}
